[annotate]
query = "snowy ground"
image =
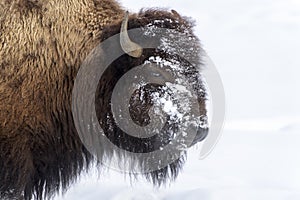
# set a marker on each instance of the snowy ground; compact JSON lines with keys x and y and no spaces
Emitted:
{"x":245,"y":165}
{"x":255,"y":46}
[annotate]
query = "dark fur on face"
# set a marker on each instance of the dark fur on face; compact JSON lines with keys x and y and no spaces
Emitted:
{"x":41,"y":50}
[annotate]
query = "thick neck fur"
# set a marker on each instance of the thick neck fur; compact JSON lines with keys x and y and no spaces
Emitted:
{"x":42,"y":44}
{"x":46,"y":38}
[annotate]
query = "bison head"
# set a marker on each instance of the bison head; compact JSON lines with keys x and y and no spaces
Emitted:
{"x":140,"y":92}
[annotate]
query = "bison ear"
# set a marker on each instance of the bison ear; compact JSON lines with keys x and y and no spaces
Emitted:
{"x":127,"y":45}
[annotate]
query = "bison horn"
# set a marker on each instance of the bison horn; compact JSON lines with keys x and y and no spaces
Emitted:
{"x":127,"y":45}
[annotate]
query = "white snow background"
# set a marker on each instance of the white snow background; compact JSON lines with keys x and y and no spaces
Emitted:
{"x":255,"y":45}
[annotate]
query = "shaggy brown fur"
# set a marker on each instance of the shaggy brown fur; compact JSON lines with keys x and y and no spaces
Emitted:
{"x":42,"y":45}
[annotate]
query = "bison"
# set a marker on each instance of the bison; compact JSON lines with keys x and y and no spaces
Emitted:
{"x":42,"y":47}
